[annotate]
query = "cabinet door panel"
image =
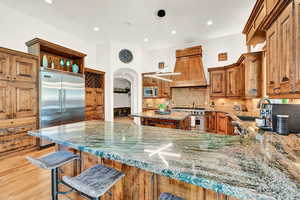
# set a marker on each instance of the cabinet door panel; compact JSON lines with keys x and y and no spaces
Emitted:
{"x":99,"y":97}
{"x":285,"y":43}
{"x":297,"y":43}
{"x":232,"y":76}
{"x":217,"y":83}
{"x":5,"y":101}
{"x":24,"y":98}
{"x":90,"y":98}
{"x":272,"y":60}
{"x":221,"y":123}
{"x":4,"y":66}
{"x":24,"y":69}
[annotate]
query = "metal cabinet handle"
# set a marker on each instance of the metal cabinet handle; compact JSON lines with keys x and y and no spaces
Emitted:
{"x":271,"y":82}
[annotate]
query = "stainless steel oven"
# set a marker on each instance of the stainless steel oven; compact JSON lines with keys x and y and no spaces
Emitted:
{"x":150,"y":92}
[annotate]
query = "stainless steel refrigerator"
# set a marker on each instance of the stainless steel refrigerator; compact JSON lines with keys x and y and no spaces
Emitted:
{"x":62,"y":98}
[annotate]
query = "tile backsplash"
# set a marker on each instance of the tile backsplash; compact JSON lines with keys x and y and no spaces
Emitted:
{"x":187,"y":96}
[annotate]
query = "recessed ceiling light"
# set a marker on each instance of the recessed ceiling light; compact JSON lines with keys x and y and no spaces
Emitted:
{"x":210,"y":22}
{"x":146,"y":40}
{"x":49,"y":1}
{"x":173,"y":32}
{"x":96,"y":29}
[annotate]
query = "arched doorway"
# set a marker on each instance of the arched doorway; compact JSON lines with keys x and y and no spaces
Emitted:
{"x":130,"y":75}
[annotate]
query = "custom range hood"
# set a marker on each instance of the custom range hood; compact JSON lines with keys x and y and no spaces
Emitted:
{"x":189,"y":64}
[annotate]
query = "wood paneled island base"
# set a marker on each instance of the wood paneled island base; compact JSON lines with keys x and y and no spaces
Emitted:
{"x":138,"y":184}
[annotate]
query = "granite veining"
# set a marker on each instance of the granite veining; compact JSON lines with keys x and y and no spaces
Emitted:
{"x":178,"y":116}
{"x":263,"y":167}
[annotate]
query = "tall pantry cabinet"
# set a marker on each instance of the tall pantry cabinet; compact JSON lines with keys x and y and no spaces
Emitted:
{"x":18,"y":100}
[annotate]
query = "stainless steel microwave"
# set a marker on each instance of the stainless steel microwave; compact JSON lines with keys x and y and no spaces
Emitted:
{"x":150,"y":92}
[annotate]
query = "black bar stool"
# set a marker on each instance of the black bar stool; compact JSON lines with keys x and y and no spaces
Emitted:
{"x":52,"y":162}
{"x":168,"y":196}
{"x":91,"y":183}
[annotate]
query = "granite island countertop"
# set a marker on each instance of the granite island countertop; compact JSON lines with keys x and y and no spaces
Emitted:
{"x":177,"y":116}
{"x":265,"y":167}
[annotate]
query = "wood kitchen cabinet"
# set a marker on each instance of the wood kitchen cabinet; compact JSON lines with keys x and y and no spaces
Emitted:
{"x":94,"y":94}
{"x":233,"y":82}
{"x":280,"y":58}
{"x":242,"y":79}
{"x":217,"y":82}
{"x":297,"y":45}
{"x":219,"y":123}
{"x":18,"y":101}
{"x":4,"y":66}
{"x":211,"y":122}
{"x":164,"y":87}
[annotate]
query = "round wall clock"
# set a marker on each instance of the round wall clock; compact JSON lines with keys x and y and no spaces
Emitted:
{"x":125,"y":56}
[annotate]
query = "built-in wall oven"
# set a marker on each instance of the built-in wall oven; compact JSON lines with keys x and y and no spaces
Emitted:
{"x":150,"y":92}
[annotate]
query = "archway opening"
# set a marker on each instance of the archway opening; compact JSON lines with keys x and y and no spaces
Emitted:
{"x":127,"y":100}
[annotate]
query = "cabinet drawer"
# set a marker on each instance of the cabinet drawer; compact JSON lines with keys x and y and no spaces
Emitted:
{"x":16,"y":138}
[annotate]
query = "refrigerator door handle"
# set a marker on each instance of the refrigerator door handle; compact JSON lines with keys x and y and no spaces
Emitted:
{"x":64,"y":100}
{"x":60,"y":99}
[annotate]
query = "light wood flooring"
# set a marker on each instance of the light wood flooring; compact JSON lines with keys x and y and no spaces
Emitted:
{"x":20,"y":180}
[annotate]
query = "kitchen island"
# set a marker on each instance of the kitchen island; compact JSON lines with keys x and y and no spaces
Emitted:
{"x":176,"y":120}
{"x":191,"y":165}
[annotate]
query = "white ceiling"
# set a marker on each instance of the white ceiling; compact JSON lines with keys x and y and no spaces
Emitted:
{"x":134,"y":20}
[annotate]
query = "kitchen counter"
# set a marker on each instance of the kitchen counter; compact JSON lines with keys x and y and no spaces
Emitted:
{"x":178,"y":116}
{"x":176,"y":120}
{"x":243,"y":167}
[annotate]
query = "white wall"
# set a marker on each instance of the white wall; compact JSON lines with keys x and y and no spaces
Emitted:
{"x":121,"y":99}
{"x":18,"y":28}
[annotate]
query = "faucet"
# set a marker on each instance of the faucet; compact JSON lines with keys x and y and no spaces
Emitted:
{"x":194,"y":104}
{"x":261,"y":102}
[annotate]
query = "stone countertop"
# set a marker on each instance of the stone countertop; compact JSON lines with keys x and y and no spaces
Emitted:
{"x":263,"y":167}
{"x":178,"y":116}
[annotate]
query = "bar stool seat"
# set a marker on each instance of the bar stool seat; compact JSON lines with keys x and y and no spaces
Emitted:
{"x":53,"y":160}
{"x":168,"y":196}
{"x":95,"y":181}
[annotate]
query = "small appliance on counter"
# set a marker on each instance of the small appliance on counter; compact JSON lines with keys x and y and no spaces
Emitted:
{"x":280,"y":118}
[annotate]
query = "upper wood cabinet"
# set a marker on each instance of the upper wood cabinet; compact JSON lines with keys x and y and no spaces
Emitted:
{"x":242,"y":79}
{"x":297,"y":45}
{"x":262,"y":16}
{"x":164,"y":87}
{"x":4,"y":66}
{"x":217,"y":82}
{"x":281,"y":68}
{"x":233,"y":82}
{"x":250,"y":76}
